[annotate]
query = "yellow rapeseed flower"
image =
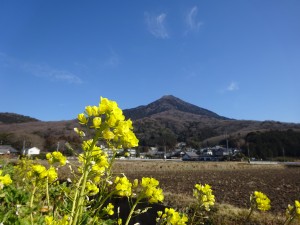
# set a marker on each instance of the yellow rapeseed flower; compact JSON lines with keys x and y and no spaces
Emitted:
{"x":97,"y":179}
{"x":123,"y":186}
{"x":82,"y":119}
{"x":91,"y":111}
{"x":86,"y":145}
{"x":108,"y":135}
{"x":79,"y":132}
{"x":293,"y":211}
{"x":38,"y":171}
{"x":204,"y":195}
{"x":119,"y":221}
{"x":92,"y":189}
{"x":130,"y":139}
{"x":171,"y":217}
{"x":112,"y":120}
{"x":106,"y":106}
{"x":297,"y":206}
{"x":96,"y":122}
{"x":109,"y":209}
{"x":262,"y":202}
{"x":52,"y":174}
{"x":49,"y":220}
{"x":151,"y":191}
{"x":56,"y":156}
{"x":4,"y":180}
{"x":98,"y":169}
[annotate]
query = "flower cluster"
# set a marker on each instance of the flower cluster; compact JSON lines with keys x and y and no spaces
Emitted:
{"x":92,"y":188}
{"x":4,"y":180}
{"x":293,"y":211}
{"x":108,"y":118}
{"x":260,"y":201}
{"x":171,"y":217}
{"x":56,"y":157}
{"x":49,"y":220}
{"x":123,"y":186}
{"x":109,"y":209}
{"x":151,"y":191}
{"x":297,"y":208}
{"x":204,"y":196}
{"x":97,"y":158}
{"x":39,"y":172}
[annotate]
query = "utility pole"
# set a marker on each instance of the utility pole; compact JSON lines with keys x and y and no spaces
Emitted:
{"x":226,"y":137}
{"x":23,"y":150}
{"x":57,"y":146}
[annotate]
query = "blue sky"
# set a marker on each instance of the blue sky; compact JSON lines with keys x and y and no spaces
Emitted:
{"x":238,"y":58}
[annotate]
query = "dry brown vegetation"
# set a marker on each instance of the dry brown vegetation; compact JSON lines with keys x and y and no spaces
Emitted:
{"x":232,"y":183}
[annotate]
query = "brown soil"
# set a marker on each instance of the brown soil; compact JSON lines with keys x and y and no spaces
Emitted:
{"x":232,"y":183}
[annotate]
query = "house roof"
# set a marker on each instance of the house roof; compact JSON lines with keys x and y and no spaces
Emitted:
{"x":191,"y":154}
{"x":7,"y":149}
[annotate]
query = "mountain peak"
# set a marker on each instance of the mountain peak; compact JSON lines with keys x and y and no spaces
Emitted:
{"x":168,"y":97}
{"x":166,"y":103}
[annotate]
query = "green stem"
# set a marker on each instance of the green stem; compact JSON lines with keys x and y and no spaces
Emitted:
{"x":194,"y":214}
{"x":286,"y":220}
{"x":251,"y":210}
{"x":103,"y":201}
{"x":75,"y":200}
{"x":47,"y":194}
{"x":79,"y":200}
{"x":289,"y":220}
{"x":31,"y":203}
{"x":104,"y":184}
{"x":132,"y":210}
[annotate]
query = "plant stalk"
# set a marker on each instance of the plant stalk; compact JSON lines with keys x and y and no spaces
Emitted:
{"x":31,"y":204}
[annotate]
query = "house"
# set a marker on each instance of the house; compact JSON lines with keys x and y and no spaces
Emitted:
{"x":206,"y":152}
{"x":132,"y":152}
{"x":7,"y":150}
{"x":31,"y":151}
{"x":175,"y":154}
{"x":190,"y":156}
{"x":223,"y":152}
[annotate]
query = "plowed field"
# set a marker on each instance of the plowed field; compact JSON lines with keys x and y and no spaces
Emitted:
{"x":232,"y":182}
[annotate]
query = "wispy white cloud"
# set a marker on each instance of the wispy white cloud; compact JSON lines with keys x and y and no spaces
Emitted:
{"x":156,"y":25}
{"x":192,"y":22}
{"x":233,"y":86}
{"x":39,"y":70}
{"x":42,"y":70}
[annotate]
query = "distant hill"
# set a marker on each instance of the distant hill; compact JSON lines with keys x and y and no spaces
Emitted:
{"x":167,"y":103}
{"x":162,"y":123}
{"x":15,"y":118}
{"x":170,"y":120}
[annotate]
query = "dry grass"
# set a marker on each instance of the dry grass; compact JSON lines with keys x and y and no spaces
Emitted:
{"x":225,"y":214}
{"x":169,"y":165}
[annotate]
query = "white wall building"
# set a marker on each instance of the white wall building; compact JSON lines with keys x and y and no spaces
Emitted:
{"x":32,"y":151}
